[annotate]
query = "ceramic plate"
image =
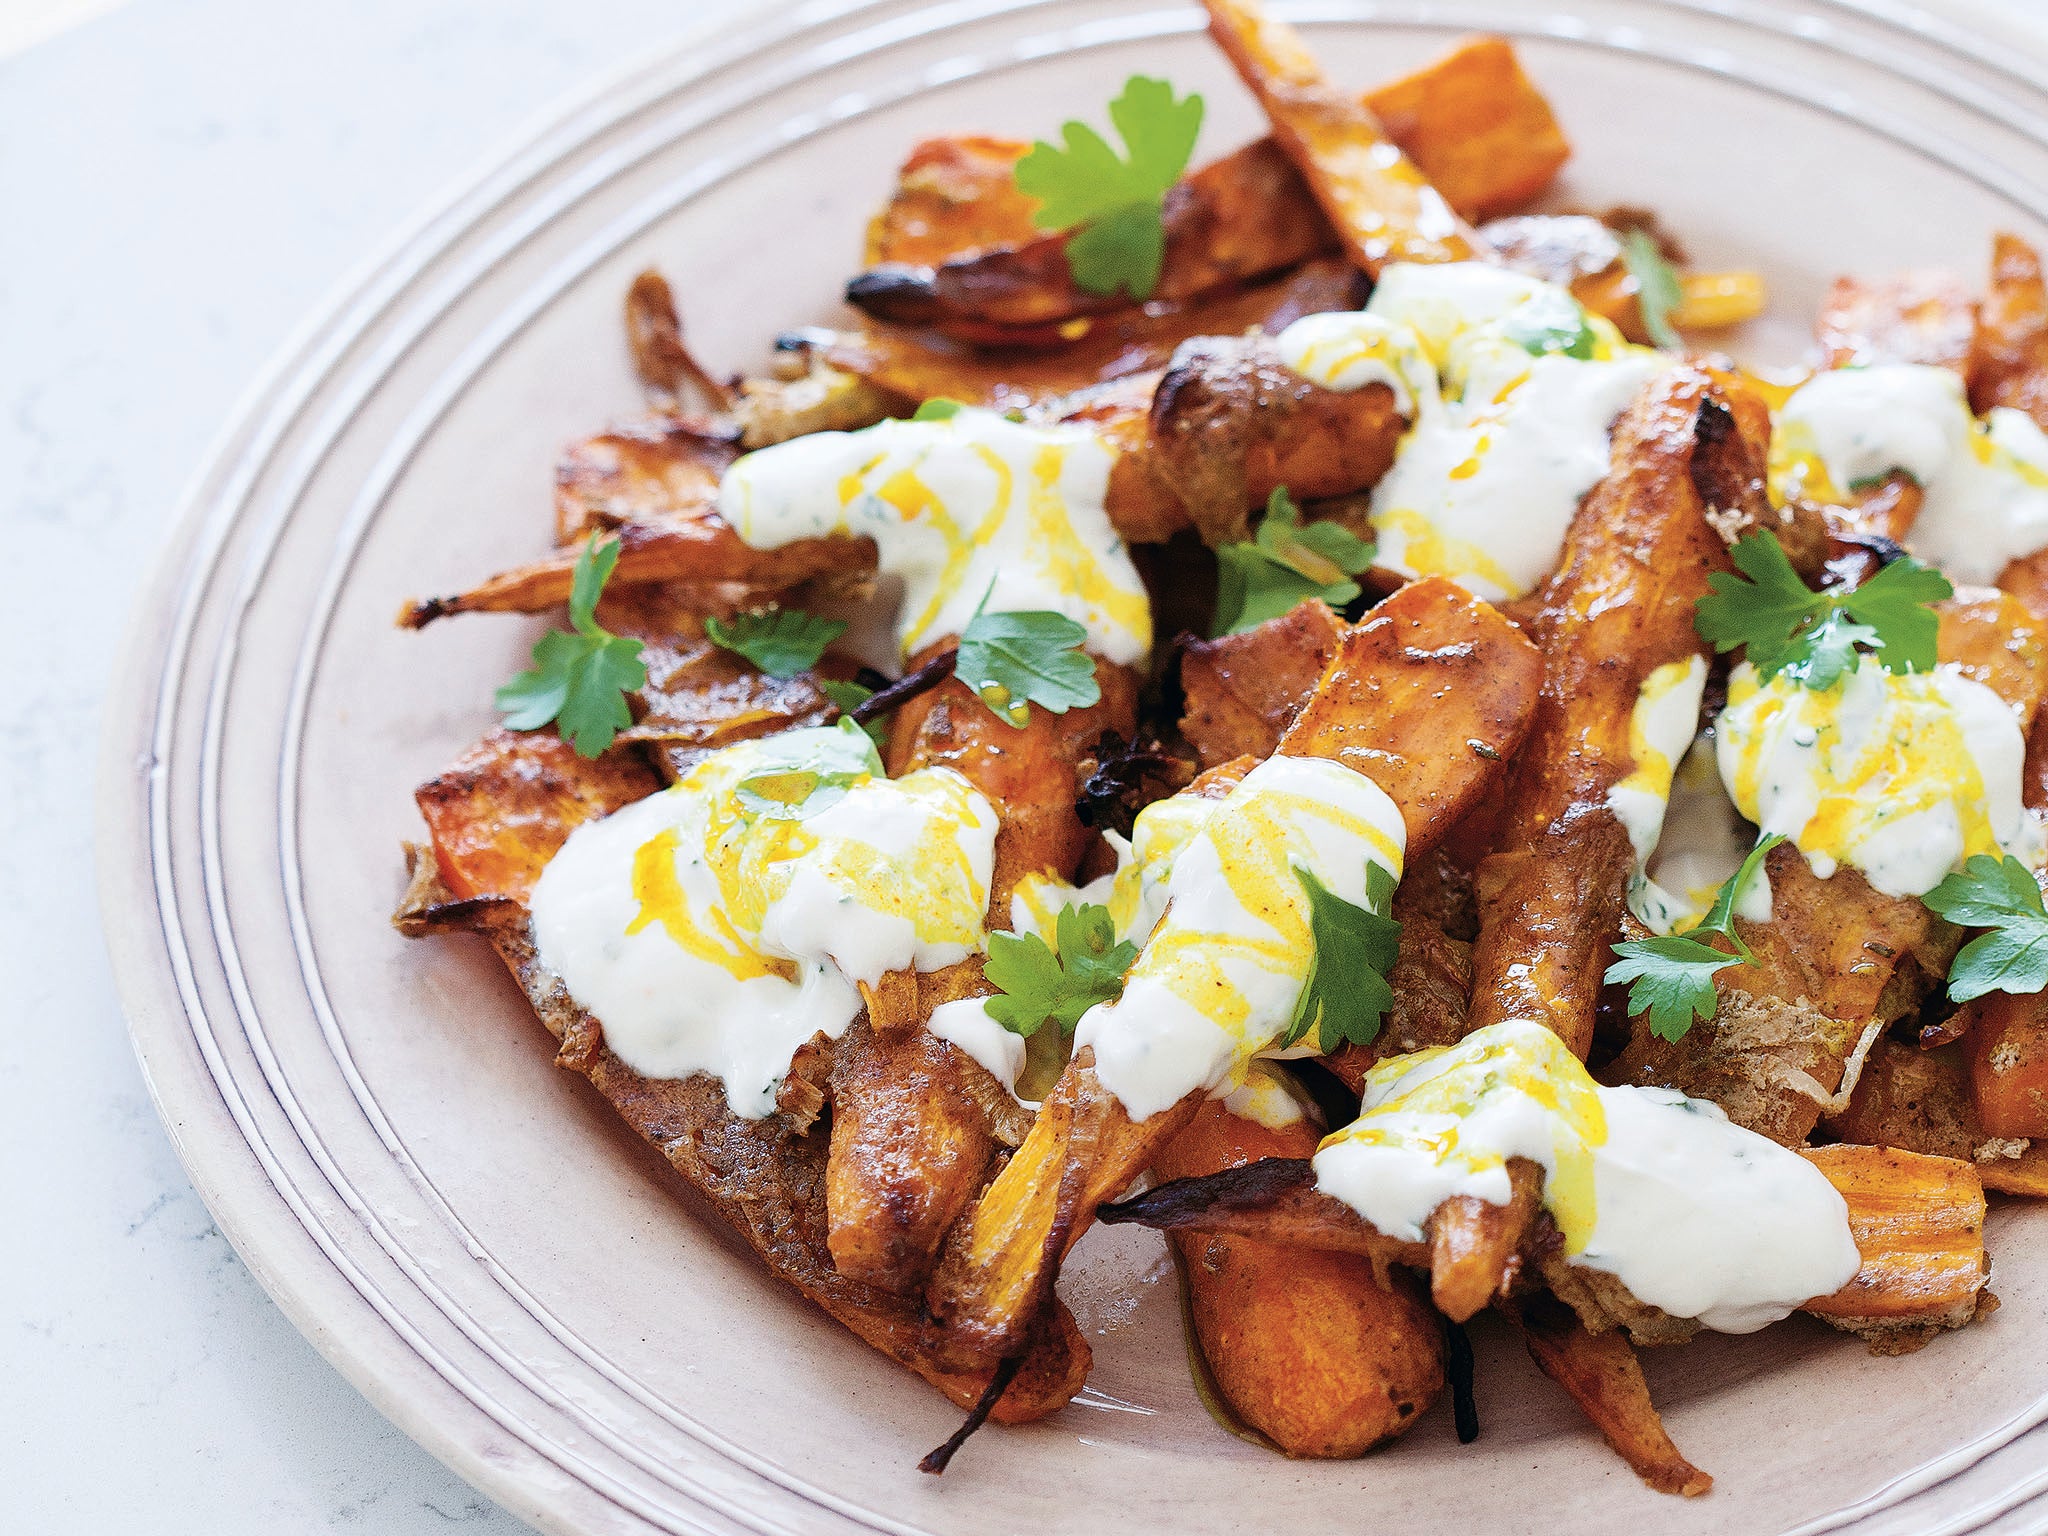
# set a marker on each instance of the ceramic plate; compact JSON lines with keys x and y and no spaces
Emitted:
{"x":470,"y":1234}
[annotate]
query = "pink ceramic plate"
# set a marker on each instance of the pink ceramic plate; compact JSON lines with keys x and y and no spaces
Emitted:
{"x":471,"y":1235}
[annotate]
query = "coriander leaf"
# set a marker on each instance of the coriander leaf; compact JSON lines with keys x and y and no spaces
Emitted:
{"x":938,"y":408}
{"x":1786,"y":626}
{"x":1285,"y":562}
{"x":780,"y":641}
{"x":1113,"y":203}
{"x":580,"y":677}
{"x":1015,"y":660}
{"x":1895,"y":602}
{"x":1122,"y":249}
{"x":1345,"y":996}
{"x":1035,"y":982}
{"x":2002,"y":896}
{"x":1672,"y":976}
{"x":1830,"y":650}
{"x":849,"y":697}
{"x":1761,"y":607}
{"x":1671,"y":979}
{"x":1720,"y":916}
{"x":1658,"y":291}
{"x":815,"y":773}
{"x":586,"y":584}
{"x":1158,"y":131}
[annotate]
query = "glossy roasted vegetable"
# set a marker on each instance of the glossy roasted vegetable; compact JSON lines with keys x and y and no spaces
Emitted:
{"x":1314,"y":1350}
{"x":1430,"y":664}
{"x":496,"y":817}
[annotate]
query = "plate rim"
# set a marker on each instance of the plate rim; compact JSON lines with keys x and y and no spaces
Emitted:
{"x":231,"y":1180}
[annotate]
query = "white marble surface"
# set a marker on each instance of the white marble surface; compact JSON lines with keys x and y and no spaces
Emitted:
{"x":180,"y":183}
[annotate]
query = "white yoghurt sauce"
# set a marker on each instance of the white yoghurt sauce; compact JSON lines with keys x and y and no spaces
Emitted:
{"x":1985,"y":483}
{"x":1693,"y":1214}
{"x":1903,"y":776}
{"x":1661,"y":728}
{"x":1217,"y":981}
{"x":1504,"y":442}
{"x":708,"y":934}
{"x":1134,"y":894}
{"x":975,"y":506}
{"x":1703,"y":843}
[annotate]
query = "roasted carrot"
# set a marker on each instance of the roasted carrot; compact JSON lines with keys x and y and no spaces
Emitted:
{"x":1310,"y":1348}
{"x":1381,"y":206}
{"x":1430,"y":664}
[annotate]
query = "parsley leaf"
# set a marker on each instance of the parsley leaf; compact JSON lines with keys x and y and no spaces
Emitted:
{"x":1113,"y":204}
{"x":823,"y":766}
{"x":1286,"y":561}
{"x":1345,"y":996}
{"x":580,"y":676}
{"x":1015,"y":660}
{"x":2002,"y":896}
{"x":1657,"y":288}
{"x":1037,"y":982}
{"x":849,"y":697}
{"x":938,"y":408}
{"x":1786,"y":626}
{"x":1672,"y":976}
{"x":780,"y":641}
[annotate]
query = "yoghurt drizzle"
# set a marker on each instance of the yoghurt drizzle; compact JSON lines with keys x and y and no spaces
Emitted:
{"x":1902,"y":775}
{"x":1694,"y":1215}
{"x":1984,"y":483}
{"x":710,"y":934}
{"x":971,"y":508}
{"x":1505,"y":437}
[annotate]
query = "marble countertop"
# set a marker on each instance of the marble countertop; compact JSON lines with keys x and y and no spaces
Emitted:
{"x":184,"y":181}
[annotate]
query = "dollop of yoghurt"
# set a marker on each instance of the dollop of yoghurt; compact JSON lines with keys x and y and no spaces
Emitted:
{"x":1983,"y":483}
{"x":1218,"y":979}
{"x":718,"y":925}
{"x":1901,"y":775}
{"x":972,"y":511}
{"x":1511,"y":388}
{"x":1693,"y":1214}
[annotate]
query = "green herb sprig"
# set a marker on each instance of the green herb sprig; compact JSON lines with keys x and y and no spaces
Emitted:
{"x":1658,"y":290}
{"x":580,"y":676}
{"x":2002,"y":896}
{"x":780,"y":641}
{"x":1113,"y":203}
{"x":1346,"y":996}
{"x":1015,"y":660}
{"x":1035,"y":981}
{"x":1671,"y":977}
{"x":1785,"y":626}
{"x":1286,"y":561}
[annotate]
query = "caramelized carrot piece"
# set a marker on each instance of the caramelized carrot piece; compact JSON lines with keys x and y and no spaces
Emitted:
{"x":1307,"y":1346}
{"x":1476,"y":126}
{"x":1918,"y":1221}
{"x":1383,"y":208}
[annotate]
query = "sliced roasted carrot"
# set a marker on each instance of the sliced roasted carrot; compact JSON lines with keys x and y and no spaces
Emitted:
{"x":1477,"y":126}
{"x":1383,"y":208}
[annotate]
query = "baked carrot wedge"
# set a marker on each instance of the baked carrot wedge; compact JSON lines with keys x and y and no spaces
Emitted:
{"x":1918,"y":1221}
{"x":1601,"y":1374}
{"x":1620,"y":607}
{"x":496,"y":817}
{"x":915,"y":1120}
{"x":1381,"y":206}
{"x":1313,"y":1349}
